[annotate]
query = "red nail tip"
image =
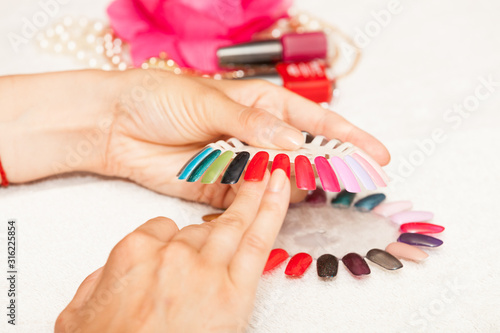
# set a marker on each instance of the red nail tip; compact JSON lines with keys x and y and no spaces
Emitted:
{"x":304,"y":173}
{"x":329,"y":180}
{"x":282,"y":161}
{"x":276,"y":257}
{"x":421,"y":228}
{"x":298,"y":264}
{"x":257,"y":167}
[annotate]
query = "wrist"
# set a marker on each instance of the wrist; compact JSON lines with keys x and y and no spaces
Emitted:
{"x":55,"y":123}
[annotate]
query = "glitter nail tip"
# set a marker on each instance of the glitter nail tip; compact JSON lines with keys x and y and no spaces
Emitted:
{"x":369,"y":202}
{"x":276,"y":257}
{"x":411,"y":216}
{"x":387,"y":209}
{"x":298,"y":264}
{"x":419,"y":240}
{"x":343,"y":200}
{"x":405,"y":251}
{"x":421,"y":228}
{"x":384,"y":259}
{"x":356,"y":264}
{"x":316,"y":197}
{"x":327,"y":266}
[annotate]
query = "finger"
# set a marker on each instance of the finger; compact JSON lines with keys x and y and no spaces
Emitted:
{"x":257,"y":127}
{"x":301,"y":113}
{"x":86,"y":289}
{"x":195,"y":235}
{"x":253,"y":251}
{"x":320,"y":121}
{"x":160,"y":228}
{"x":232,"y":224}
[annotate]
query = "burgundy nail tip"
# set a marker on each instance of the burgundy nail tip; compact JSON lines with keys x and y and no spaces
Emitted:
{"x":419,"y":240}
{"x":298,"y":264}
{"x":356,"y":264}
{"x":257,"y":167}
{"x":304,"y":173}
{"x":276,"y":257}
{"x":316,"y":197}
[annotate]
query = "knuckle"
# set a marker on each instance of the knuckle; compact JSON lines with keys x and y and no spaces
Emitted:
{"x":129,"y":245}
{"x":175,"y":251}
{"x":232,"y":220}
{"x":255,"y":243}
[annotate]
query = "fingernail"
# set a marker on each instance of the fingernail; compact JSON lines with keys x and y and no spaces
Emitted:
{"x":287,"y":138}
{"x":278,"y":180}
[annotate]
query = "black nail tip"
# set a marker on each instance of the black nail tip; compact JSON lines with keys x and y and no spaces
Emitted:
{"x":235,"y":168}
{"x":327,"y":266}
{"x":384,"y":259}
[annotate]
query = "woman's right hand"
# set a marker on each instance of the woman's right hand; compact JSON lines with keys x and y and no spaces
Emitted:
{"x":202,"y":278}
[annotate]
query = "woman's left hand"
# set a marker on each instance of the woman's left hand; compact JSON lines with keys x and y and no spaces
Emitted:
{"x":144,"y":124}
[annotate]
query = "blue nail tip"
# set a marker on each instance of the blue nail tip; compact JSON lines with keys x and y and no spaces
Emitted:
{"x":200,"y":169}
{"x":369,"y":202}
{"x":194,"y":162}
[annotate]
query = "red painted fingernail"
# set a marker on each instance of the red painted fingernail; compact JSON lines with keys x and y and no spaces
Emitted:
{"x":257,"y":167}
{"x":276,"y":257}
{"x":304,"y":173}
{"x":282,"y":161}
{"x":298,"y":264}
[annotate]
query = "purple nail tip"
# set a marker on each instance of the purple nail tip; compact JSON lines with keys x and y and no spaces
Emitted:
{"x":419,"y":240}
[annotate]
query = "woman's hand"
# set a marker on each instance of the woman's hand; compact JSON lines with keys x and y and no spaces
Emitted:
{"x":144,"y":124}
{"x":202,"y":278}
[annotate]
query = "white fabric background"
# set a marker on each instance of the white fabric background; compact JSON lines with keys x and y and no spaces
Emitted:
{"x":428,"y":58}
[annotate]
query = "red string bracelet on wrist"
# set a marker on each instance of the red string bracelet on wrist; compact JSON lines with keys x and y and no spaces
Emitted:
{"x":5,"y":181}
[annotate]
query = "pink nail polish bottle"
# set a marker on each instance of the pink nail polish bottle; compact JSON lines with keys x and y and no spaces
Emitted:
{"x":289,"y":48}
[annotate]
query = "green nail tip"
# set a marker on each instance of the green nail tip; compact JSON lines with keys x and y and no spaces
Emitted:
{"x":217,"y":167}
{"x":343,"y":199}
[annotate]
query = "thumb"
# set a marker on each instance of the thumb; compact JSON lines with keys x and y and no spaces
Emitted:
{"x":257,"y":127}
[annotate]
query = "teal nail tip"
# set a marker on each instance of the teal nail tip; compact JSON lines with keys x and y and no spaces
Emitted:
{"x":200,"y":169}
{"x":190,"y":166}
{"x":368,"y":203}
{"x":343,"y":199}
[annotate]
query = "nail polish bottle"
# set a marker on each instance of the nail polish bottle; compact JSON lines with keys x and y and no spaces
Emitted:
{"x":311,"y":80}
{"x":289,"y":48}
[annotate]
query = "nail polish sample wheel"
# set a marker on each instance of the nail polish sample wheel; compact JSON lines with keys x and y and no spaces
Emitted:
{"x":337,"y":164}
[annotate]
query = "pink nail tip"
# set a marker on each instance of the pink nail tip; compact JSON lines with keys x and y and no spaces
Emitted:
{"x":421,"y":228}
{"x":411,"y":216}
{"x":326,"y":175}
{"x":390,"y":208}
{"x":405,"y":251}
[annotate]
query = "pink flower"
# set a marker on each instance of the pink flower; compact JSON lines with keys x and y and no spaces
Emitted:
{"x":190,"y":31}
